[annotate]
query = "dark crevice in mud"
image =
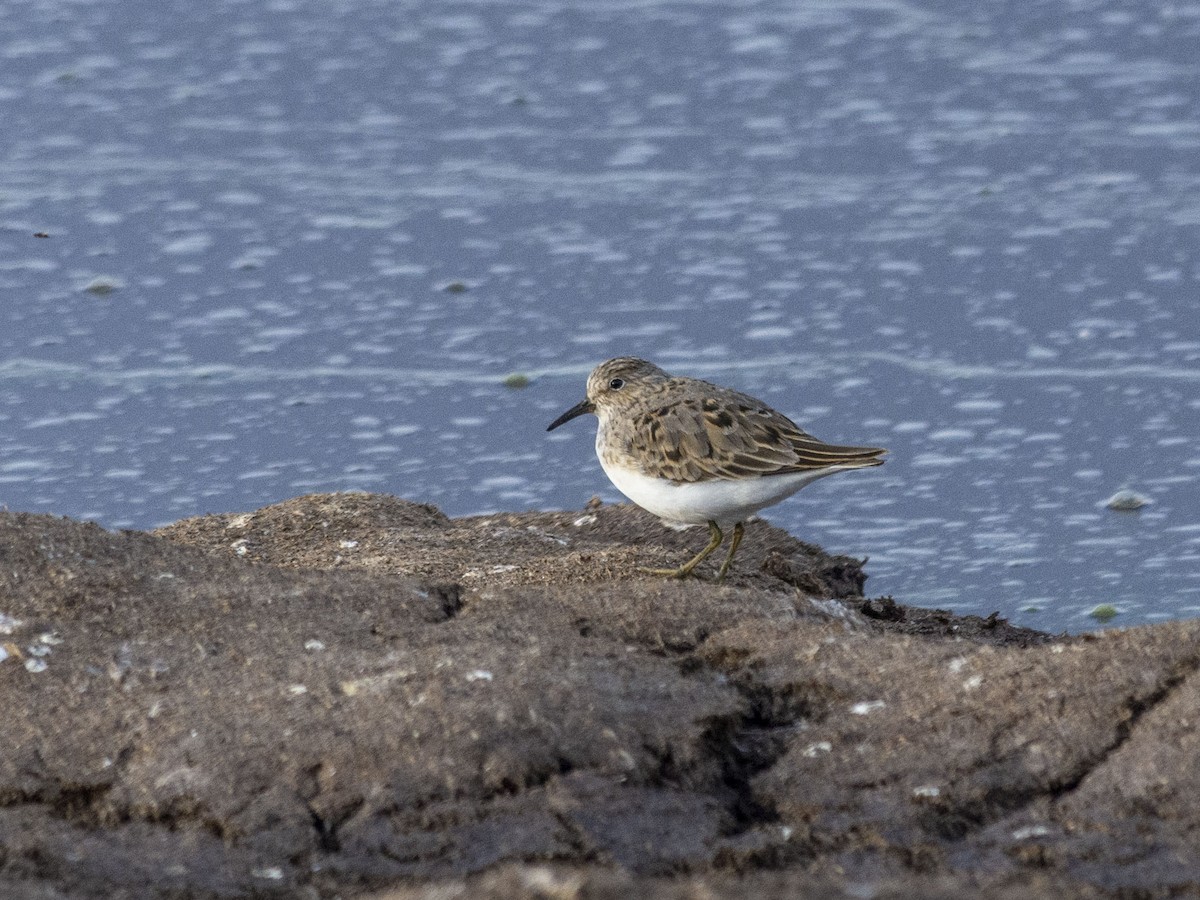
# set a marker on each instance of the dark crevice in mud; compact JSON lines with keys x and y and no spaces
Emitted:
{"x":326,"y":831}
{"x":749,"y":743}
{"x":450,"y":596}
{"x":327,"y":818}
{"x":957,"y":821}
{"x":755,"y":837}
{"x":749,"y":747}
{"x":742,"y":745}
{"x":1137,"y":709}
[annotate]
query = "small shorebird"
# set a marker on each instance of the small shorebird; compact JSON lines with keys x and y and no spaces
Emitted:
{"x":696,"y":453}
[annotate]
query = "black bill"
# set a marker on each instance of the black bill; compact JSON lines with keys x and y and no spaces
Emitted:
{"x":574,"y":412}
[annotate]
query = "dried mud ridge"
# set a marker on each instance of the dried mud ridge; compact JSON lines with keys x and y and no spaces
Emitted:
{"x":353,"y":695}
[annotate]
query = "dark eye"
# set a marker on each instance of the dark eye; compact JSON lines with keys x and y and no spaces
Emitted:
{"x":617,"y":383}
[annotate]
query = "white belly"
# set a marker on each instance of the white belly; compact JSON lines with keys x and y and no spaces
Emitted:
{"x":722,"y":501}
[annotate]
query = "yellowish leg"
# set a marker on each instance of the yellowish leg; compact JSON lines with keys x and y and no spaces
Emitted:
{"x":714,"y":541}
{"x":738,"y":531}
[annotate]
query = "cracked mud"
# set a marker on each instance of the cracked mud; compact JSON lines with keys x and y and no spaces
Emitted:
{"x":348,"y":695}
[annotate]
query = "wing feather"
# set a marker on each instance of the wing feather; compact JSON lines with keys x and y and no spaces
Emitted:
{"x":691,"y":436}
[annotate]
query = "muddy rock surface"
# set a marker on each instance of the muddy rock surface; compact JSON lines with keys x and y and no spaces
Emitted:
{"x":353,"y":695}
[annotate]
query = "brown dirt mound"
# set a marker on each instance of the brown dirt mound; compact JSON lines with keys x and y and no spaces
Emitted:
{"x":351,"y":693}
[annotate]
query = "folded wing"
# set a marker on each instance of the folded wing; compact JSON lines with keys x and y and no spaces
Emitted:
{"x":732,"y":435}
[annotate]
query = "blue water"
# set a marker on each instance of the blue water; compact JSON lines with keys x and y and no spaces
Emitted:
{"x":297,"y":247}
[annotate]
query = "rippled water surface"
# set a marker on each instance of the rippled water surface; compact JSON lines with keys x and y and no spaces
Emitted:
{"x":296,"y":246}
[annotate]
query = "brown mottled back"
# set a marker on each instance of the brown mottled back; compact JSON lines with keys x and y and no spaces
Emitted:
{"x":689,"y":430}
